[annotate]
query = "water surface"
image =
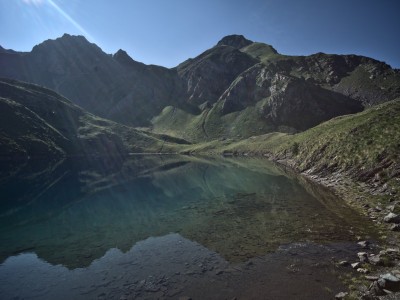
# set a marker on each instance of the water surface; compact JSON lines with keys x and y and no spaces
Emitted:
{"x":165,"y":226}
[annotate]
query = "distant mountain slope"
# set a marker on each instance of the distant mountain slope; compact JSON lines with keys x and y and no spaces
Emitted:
{"x":259,"y":100}
{"x":364,"y":146}
{"x":208,"y":75}
{"x":238,"y":88}
{"x":361,"y":78}
{"x":38,"y":121}
{"x":109,"y":86}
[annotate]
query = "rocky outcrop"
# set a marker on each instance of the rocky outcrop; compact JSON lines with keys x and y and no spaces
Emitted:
{"x":237,"y":88}
{"x":285,"y":100}
{"x":298,"y":104}
{"x":207,"y":76}
{"x":361,"y":78}
{"x":235,"y":41}
{"x":125,"y":60}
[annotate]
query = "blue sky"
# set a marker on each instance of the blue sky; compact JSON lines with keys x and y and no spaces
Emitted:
{"x":167,"y":32}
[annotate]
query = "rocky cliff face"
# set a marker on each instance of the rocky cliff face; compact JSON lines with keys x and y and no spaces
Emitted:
{"x":235,"y":41}
{"x":236,"y":89}
{"x":285,"y":100}
{"x":361,"y":78}
{"x":207,"y":76}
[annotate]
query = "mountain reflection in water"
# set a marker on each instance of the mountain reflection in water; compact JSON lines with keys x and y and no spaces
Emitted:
{"x":72,"y":213}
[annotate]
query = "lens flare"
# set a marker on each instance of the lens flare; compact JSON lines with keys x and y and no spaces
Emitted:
{"x":62,"y":12}
{"x":68,"y":18}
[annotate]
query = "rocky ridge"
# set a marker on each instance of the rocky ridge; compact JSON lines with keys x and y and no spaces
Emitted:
{"x":35,"y":121}
{"x":225,"y":92}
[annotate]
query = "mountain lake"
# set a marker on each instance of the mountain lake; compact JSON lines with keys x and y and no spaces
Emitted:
{"x":171,"y":227}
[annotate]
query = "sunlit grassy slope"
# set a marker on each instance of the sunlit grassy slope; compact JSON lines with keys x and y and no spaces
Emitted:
{"x":366,"y":145}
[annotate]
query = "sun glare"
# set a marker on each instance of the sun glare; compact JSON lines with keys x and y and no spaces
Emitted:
{"x":62,"y":12}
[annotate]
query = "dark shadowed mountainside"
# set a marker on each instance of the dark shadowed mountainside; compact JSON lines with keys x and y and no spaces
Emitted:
{"x":236,"y":89}
{"x":37,"y":121}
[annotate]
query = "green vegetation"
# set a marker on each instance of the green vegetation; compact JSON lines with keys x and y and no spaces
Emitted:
{"x":262,"y":52}
{"x":237,"y":97}
{"x":365,"y":145}
{"x":35,"y":121}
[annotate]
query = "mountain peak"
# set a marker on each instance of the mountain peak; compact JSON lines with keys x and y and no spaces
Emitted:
{"x":234,"y":40}
{"x":124,"y":59}
{"x":73,"y":37}
{"x":66,"y":40}
{"x":121,"y":52}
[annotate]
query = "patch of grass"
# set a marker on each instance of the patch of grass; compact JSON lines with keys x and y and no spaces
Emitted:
{"x":211,"y":124}
{"x":263,"y":52}
{"x":365,"y":145}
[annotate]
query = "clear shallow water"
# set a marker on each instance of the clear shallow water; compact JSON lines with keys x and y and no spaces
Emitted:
{"x":163,"y":227}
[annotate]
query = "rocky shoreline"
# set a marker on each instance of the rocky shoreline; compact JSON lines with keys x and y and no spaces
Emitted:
{"x":377,"y":264}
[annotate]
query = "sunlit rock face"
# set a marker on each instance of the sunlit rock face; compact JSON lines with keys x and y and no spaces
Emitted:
{"x":284,"y":99}
{"x":209,"y":75}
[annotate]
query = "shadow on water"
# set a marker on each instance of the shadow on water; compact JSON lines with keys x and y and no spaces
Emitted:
{"x":74,"y":212}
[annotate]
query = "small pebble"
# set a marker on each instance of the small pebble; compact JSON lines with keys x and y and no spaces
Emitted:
{"x":362,"y":270}
{"x":363,"y":244}
{"x":341,"y":295}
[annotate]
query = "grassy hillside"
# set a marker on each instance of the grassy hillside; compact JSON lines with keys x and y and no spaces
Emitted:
{"x":236,"y":89}
{"x":22,"y":131}
{"x":35,"y":121}
{"x":262,"y":52}
{"x":366,"y":146}
{"x":211,"y":123}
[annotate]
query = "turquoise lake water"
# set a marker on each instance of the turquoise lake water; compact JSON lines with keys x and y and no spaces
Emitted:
{"x":164,"y":227}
